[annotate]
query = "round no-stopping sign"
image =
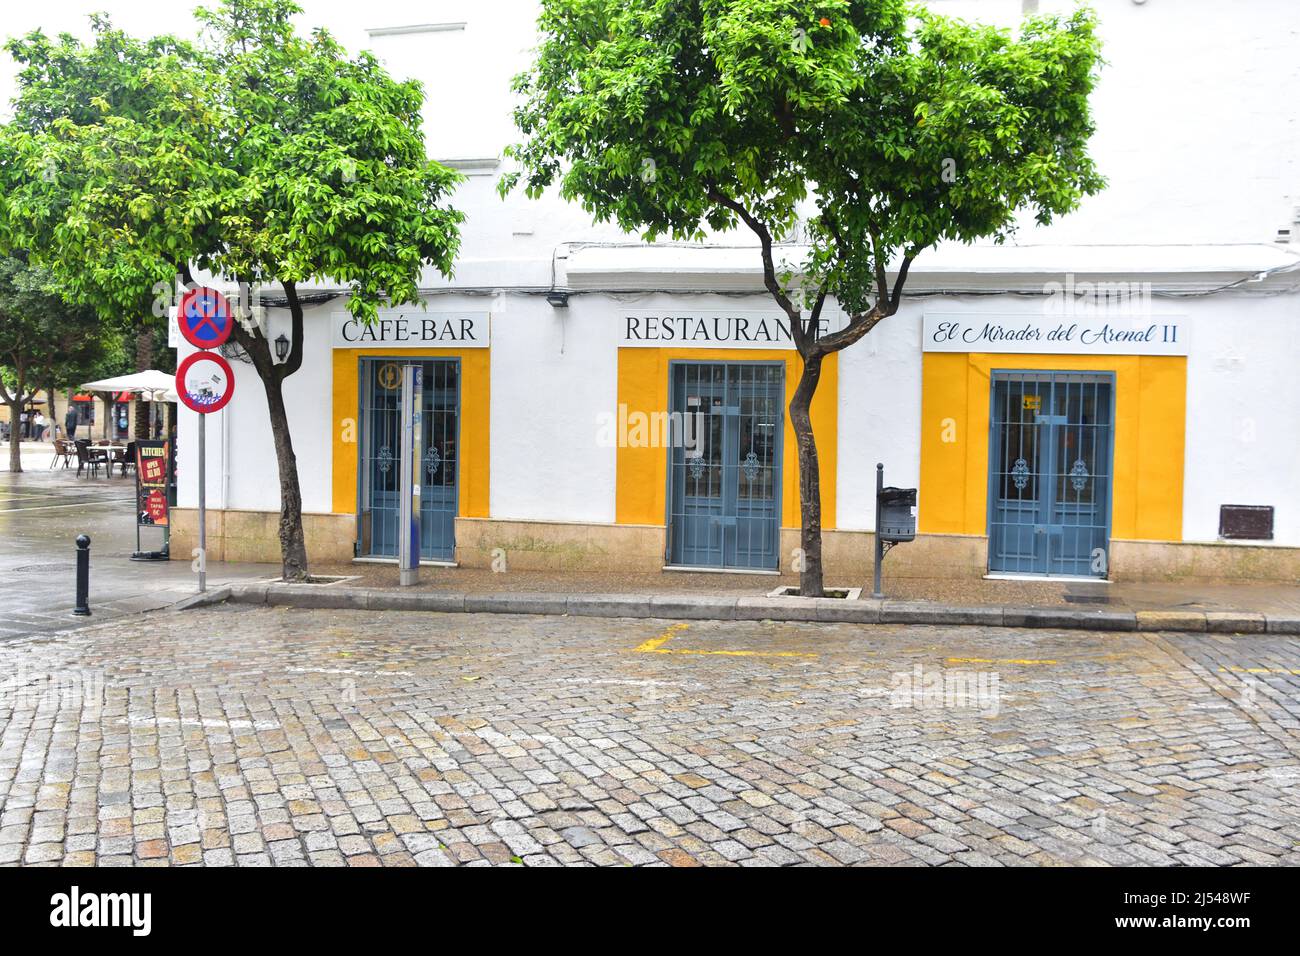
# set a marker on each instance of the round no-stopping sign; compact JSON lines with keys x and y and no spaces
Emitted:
{"x":205,"y":382}
{"x":205,"y":318}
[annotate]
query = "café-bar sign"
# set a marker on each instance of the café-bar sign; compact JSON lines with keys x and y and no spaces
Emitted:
{"x":413,"y":328}
{"x":734,"y":330}
{"x":1086,"y":334}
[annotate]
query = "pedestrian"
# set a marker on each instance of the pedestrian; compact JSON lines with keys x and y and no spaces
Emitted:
{"x":24,"y":429}
{"x":38,"y":426}
{"x":70,"y":422}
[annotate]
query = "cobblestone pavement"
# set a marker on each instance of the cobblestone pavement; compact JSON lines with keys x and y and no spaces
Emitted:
{"x":263,"y":736}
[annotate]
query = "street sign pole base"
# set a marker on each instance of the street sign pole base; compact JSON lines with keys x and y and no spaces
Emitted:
{"x":408,"y":576}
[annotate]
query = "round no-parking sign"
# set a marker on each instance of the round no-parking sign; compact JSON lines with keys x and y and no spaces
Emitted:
{"x":205,"y":318}
{"x":205,"y":382}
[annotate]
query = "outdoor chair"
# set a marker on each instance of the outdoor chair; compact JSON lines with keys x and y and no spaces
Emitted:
{"x":128,"y":458}
{"x":62,"y":452}
{"x":88,"y":458}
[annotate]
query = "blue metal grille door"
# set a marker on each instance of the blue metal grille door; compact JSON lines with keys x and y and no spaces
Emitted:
{"x":1050,"y":473}
{"x":724,"y":464}
{"x":380,"y":459}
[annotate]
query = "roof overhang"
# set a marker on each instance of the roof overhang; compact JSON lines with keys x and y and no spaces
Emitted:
{"x":951,"y":268}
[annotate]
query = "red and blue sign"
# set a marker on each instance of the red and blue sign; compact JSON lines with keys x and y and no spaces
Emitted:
{"x":205,"y":382}
{"x":205,"y":318}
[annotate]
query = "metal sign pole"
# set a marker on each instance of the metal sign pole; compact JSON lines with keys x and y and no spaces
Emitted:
{"x":203,"y":503}
{"x":880,"y":543}
{"x":137,"y":503}
{"x":205,"y":319}
{"x":408,"y":538}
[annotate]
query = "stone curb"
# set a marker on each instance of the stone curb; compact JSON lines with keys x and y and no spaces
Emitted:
{"x":1282,"y":623}
{"x":215,"y":596}
{"x":746,"y":608}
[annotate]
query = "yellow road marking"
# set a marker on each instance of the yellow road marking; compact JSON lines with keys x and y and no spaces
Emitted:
{"x":680,"y":650}
{"x":989,"y":660}
{"x":656,"y":642}
{"x":656,"y":646}
{"x":1260,"y":670}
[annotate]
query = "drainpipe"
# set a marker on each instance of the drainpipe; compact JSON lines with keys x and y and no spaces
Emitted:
{"x":225,"y":460}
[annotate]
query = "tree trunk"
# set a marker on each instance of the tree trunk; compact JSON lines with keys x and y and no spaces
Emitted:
{"x":15,"y":423}
{"x":53,"y":412}
{"x":293,"y":544}
{"x":810,"y":489}
{"x":143,"y":362}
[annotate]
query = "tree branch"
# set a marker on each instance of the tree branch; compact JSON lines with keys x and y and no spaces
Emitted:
{"x":765,"y":241}
{"x":294,"y":361}
{"x":859,"y":325}
{"x":882,"y":282}
{"x":815,"y":317}
{"x":897,"y":296}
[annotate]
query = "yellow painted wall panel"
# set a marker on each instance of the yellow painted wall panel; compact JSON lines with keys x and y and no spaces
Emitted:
{"x":1148,"y":439}
{"x":945,"y":442}
{"x":475,"y":410}
{"x":642,"y":473}
{"x":1163,"y":443}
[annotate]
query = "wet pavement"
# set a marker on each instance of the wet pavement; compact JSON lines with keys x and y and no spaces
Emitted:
{"x":257,"y":736}
{"x":42,"y":512}
{"x":247,"y":736}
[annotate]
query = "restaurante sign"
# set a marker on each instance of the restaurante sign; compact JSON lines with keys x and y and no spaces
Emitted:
{"x":739,"y":330}
{"x":1076,"y":335}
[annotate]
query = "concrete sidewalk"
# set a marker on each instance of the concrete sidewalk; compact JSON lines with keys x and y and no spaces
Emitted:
{"x":41,"y":513}
{"x":1240,"y":610}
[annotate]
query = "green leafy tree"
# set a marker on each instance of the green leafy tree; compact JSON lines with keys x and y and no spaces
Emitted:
{"x":871,"y":129}
{"x":107,"y":166}
{"x":331,"y":181}
{"x":43,"y":340}
{"x":258,"y":155}
{"x":102,"y":144}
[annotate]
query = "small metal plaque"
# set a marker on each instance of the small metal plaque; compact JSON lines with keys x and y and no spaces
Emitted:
{"x":1246,"y":522}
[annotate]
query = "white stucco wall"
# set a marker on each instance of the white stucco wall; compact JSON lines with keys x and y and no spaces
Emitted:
{"x":1243,"y":412}
{"x":553,"y":372}
{"x":879,"y":416}
{"x":242,"y":472}
{"x":1243,"y":407}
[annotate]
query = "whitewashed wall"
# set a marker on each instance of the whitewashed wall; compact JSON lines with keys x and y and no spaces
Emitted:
{"x":1243,"y":412}
{"x":879,"y":416}
{"x":241,"y":466}
{"x":553,"y":372}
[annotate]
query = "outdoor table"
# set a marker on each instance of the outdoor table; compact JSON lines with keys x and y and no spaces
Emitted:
{"x":108,"y":453}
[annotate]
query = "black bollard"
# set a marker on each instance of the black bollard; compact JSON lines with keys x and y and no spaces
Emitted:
{"x":83,"y":576}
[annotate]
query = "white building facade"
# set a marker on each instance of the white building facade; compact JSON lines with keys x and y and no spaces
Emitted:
{"x":1113,"y":396}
